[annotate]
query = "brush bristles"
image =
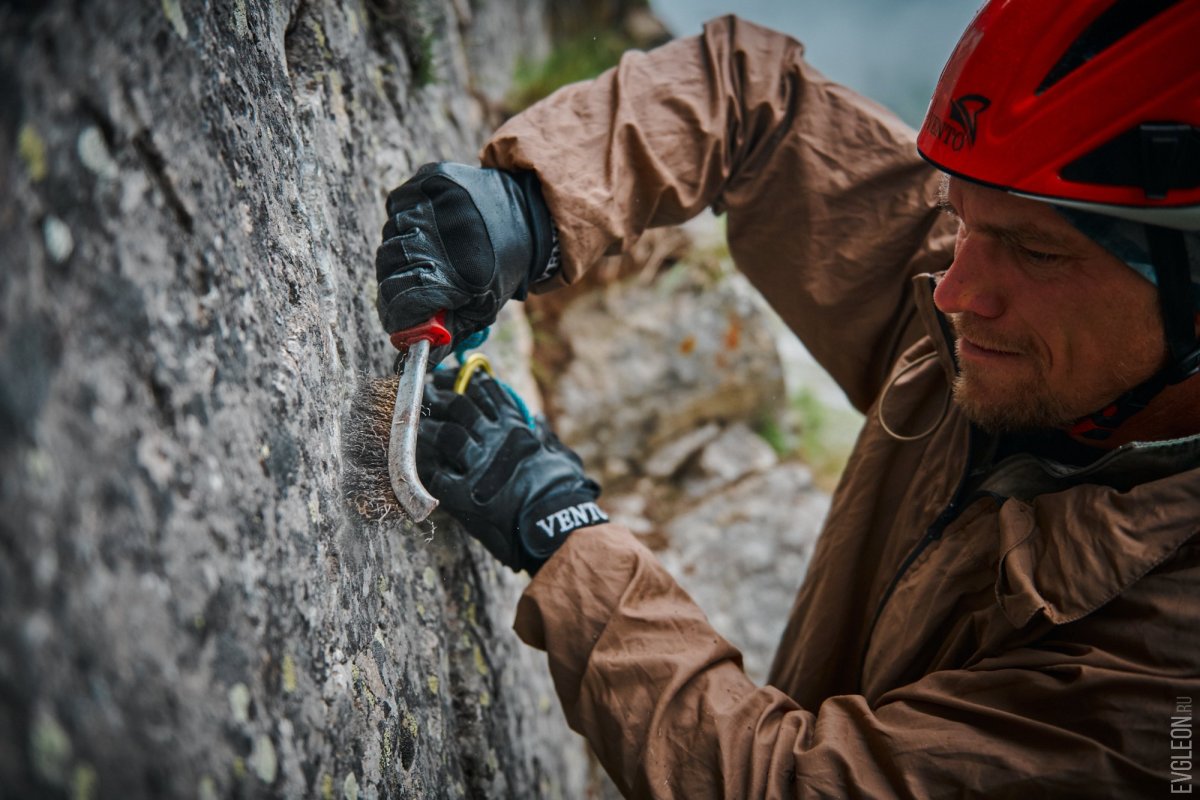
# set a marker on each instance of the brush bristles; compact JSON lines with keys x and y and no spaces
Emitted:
{"x":365,"y":474}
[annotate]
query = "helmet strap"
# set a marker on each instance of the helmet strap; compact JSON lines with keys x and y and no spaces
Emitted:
{"x":1102,"y":424}
{"x":1168,"y":254}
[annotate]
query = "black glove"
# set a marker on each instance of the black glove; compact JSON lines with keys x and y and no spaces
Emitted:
{"x":462,"y":239}
{"x":519,"y":491}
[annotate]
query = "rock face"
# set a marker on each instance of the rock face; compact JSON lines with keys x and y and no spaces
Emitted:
{"x":190,"y":197}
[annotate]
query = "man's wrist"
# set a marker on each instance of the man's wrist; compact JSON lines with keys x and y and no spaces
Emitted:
{"x":546,"y":523}
{"x":554,"y":262}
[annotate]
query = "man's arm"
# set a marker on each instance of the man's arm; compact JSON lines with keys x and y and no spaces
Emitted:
{"x":664,"y":702}
{"x":830,"y":209}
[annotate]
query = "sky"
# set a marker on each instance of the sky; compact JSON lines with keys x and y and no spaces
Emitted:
{"x":890,"y":50}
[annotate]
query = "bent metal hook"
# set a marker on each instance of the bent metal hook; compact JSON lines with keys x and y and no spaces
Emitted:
{"x":416,"y":501}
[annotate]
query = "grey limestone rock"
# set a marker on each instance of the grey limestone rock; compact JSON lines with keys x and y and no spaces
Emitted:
{"x":190,"y":197}
{"x":737,"y":452}
{"x":653,"y":363}
{"x":742,"y":552}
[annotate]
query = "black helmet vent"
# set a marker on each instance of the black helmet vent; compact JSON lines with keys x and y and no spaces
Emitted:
{"x":1122,"y":18}
{"x":1156,"y":157}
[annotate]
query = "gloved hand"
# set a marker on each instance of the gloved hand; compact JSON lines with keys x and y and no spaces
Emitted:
{"x":520,"y":492}
{"x":462,"y":239}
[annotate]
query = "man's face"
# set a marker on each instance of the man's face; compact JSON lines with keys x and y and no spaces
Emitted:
{"x":1050,"y":327}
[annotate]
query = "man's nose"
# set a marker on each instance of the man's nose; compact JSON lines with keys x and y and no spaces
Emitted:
{"x":970,"y":285}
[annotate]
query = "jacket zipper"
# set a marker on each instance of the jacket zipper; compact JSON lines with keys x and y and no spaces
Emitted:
{"x":948,"y":514}
{"x":932,"y":534}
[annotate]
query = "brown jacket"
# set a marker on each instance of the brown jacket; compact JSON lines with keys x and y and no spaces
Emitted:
{"x":1030,"y":631}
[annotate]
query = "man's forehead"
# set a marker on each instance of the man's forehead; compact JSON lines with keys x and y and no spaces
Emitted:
{"x":999,"y":212}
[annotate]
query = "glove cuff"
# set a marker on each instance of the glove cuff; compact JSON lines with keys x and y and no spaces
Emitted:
{"x":543,"y":235}
{"x":545,"y":524}
{"x":555,"y":263}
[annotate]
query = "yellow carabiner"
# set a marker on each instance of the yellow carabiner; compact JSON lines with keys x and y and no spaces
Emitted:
{"x":475,"y":361}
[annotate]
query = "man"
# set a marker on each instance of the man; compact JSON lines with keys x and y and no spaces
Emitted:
{"x":1004,"y":599}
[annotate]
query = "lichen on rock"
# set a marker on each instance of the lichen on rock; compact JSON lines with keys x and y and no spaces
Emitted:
{"x":188,"y":605}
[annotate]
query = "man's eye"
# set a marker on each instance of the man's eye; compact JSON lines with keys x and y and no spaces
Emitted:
{"x":1038,"y":256}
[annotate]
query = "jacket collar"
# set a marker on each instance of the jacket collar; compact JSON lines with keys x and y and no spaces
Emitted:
{"x":936,"y":324}
{"x":1074,"y":537}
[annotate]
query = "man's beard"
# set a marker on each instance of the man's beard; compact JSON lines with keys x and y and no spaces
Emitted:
{"x":1020,"y":404}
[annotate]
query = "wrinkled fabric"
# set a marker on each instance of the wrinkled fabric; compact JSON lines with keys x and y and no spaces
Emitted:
{"x":1035,"y":646}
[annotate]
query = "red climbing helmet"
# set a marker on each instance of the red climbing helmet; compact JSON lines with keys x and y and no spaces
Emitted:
{"x":1093,"y":106}
{"x":1087,"y":103}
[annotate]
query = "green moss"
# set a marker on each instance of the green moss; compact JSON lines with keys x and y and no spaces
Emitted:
{"x":289,"y":673}
{"x":480,"y":664}
{"x":827,"y":435}
{"x":574,"y":60}
{"x":777,"y":435}
{"x":207,"y":789}
{"x":50,"y":749}
{"x":174,"y":14}
{"x":424,"y":71}
{"x":32,"y":149}
{"x":410,"y":722}
{"x":83,"y":785}
{"x":413,"y":19}
{"x":377,"y":81}
{"x":819,"y":435}
{"x":318,"y":35}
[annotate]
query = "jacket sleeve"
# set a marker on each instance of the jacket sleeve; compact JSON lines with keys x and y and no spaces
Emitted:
{"x":830,"y":209}
{"x":664,"y":702}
